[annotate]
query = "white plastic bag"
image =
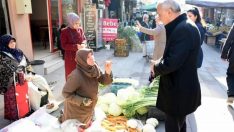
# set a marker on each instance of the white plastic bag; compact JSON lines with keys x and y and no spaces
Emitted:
{"x":71,"y":125}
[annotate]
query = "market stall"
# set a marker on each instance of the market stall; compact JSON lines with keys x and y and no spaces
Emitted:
{"x":122,"y":106}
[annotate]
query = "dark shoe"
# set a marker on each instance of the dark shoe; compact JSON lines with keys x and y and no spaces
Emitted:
{"x":144,"y":56}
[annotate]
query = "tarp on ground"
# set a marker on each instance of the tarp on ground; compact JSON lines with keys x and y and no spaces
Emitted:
{"x":212,"y":3}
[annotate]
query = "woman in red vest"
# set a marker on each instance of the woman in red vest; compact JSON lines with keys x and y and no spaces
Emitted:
{"x":72,"y":39}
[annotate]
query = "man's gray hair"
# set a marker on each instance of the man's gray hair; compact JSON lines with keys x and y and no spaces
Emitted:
{"x":170,"y":4}
{"x":72,"y":18}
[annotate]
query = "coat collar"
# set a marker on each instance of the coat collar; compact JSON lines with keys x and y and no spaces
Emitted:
{"x":172,"y":25}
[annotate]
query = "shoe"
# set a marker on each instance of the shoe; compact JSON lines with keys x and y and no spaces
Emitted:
{"x":230,"y":100}
{"x":144,"y":56}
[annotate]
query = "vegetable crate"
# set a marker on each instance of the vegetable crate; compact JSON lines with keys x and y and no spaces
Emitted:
{"x":210,"y":40}
{"x":121,"y":48}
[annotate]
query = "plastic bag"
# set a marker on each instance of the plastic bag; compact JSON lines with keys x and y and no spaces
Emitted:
{"x":71,"y":125}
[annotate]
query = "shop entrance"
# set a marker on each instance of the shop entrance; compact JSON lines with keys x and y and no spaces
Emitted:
{"x":45,"y":21}
{"x":39,"y":28}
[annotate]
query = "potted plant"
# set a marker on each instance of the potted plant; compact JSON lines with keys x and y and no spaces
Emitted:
{"x":126,"y":33}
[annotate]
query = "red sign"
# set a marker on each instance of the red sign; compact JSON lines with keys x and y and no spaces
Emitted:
{"x":109,"y":29}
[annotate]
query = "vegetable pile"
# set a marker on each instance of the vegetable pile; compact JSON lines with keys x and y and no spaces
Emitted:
{"x":122,"y":105}
{"x":129,"y":101}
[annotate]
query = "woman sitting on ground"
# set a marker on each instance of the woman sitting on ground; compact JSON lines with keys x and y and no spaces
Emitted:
{"x":81,"y":88}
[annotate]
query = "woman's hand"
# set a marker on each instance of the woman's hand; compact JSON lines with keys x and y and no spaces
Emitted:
{"x":108,"y":67}
{"x":80,"y":46}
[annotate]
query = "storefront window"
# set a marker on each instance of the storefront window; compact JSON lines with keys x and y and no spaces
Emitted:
{"x":4,"y":23}
{"x":68,"y":6}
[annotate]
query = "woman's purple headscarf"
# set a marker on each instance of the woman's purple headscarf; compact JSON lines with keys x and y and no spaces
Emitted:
{"x":72,"y":18}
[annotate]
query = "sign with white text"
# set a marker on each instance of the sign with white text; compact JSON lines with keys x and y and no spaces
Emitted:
{"x":109,"y":29}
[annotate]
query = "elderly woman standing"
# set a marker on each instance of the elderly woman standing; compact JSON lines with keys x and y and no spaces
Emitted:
{"x":81,"y":88}
{"x":11,"y":58}
{"x":72,"y":39}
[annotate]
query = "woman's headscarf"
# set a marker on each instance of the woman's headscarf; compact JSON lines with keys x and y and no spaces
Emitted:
{"x":72,"y":18}
{"x":4,"y":42}
{"x":81,"y":60}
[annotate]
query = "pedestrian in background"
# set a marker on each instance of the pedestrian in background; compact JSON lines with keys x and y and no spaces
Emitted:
{"x":81,"y":88}
{"x":72,"y":39}
{"x":59,"y":40}
{"x":228,"y":55}
{"x":159,"y":34}
{"x":195,"y":16}
{"x":179,"y":88}
{"x":145,"y":37}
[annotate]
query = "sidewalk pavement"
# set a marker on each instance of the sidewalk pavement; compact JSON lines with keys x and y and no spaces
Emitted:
{"x":212,"y":116}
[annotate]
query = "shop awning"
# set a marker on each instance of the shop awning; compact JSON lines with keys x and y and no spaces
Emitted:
{"x":212,"y":3}
{"x":150,"y":7}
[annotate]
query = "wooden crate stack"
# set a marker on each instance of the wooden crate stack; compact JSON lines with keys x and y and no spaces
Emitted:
{"x":121,"y":48}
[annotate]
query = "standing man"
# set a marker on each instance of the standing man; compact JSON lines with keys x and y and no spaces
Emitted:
{"x":179,"y":87}
{"x":228,"y":54}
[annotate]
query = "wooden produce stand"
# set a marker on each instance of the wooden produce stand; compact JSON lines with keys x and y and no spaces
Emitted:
{"x":121,"y":48}
{"x":210,"y":39}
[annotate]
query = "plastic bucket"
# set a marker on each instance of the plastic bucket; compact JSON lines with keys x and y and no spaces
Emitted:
{"x":107,"y":47}
{"x":38,"y":66}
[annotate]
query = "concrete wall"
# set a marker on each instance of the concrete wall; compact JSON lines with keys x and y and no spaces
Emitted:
{"x":20,"y":27}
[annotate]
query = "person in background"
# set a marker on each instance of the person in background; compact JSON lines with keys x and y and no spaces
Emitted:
{"x":179,"y":88}
{"x":145,"y":37}
{"x":11,"y":59}
{"x":227,"y":54}
{"x":195,"y":16}
{"x":159,"y":34}
{"x":81,"y":88}
{"x":153,"y":23}
{"x":59,"y":40}
{"x":72,"y":39}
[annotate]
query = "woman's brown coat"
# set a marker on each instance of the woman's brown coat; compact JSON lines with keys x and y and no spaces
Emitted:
{"x":77,"y":87}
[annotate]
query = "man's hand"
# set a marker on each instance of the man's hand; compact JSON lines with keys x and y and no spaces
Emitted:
{"x":152,"y":63}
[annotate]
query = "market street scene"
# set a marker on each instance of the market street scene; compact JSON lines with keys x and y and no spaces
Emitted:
{"x":117,"y":66}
